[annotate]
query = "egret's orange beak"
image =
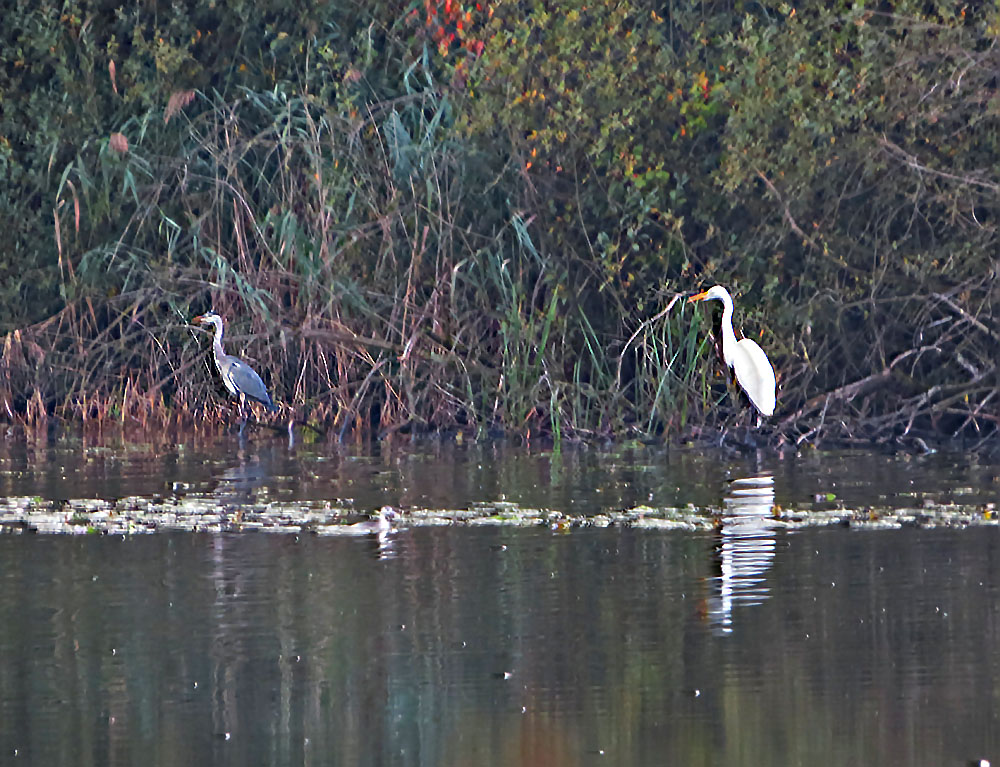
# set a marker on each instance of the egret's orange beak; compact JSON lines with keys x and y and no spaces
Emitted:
{"x":198,"y":319}
{"x":699,"y":297}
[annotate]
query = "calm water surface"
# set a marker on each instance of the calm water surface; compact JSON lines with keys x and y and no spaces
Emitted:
{"x":493,"y":645}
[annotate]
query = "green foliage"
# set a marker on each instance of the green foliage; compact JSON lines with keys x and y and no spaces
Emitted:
{"x":585,"y":105}
{"x":863,"y":144}
{"x":482,"y":216}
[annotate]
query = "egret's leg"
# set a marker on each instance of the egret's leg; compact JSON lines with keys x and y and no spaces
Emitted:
{"x":753,"y":421}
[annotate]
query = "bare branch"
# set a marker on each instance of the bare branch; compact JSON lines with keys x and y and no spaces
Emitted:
{"x":788,"y":213}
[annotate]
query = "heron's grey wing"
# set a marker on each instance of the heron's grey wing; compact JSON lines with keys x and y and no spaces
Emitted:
{"x":245,"y":380}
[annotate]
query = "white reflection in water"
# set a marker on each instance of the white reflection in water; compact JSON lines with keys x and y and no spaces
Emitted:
{"x":382,"y":542}
{"x":385,"y":545}
{"x":746,"y":548}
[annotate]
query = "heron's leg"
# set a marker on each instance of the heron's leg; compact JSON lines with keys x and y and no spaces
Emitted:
{"x":243,"y":416}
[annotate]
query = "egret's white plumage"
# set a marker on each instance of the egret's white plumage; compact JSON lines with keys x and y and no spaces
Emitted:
{"x":753,"y":371}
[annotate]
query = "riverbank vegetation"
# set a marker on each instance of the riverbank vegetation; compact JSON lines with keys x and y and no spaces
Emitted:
{"x":481,"y":216}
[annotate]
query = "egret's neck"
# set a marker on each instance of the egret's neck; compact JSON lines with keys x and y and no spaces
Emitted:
{"x":728,"y":335}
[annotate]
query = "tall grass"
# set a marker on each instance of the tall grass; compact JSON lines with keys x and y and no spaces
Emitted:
{"x":364,"y":262}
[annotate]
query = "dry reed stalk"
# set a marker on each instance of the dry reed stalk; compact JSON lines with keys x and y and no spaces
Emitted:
{"x":177,"y":101}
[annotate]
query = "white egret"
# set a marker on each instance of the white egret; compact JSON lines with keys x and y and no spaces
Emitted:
{"x":753,"y":371}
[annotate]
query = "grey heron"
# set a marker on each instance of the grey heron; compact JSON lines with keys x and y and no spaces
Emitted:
{"x":239,"y":378}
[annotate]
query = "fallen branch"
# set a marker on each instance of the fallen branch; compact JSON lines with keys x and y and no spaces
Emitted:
{"x":845,"y":392}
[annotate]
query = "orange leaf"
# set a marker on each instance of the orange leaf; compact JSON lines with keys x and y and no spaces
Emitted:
{"x":76,"y":205}
{"x":55,"y":217}
{"x":118,"y":143}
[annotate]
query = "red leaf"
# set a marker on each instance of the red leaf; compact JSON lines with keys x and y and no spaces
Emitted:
{"x":119,"y":143}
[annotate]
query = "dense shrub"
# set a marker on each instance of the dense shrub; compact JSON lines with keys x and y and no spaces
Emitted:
{"x":436,"y":215}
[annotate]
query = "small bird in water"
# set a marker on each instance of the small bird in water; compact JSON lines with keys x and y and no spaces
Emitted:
{"x":379,"y":524}
{"x":239,"y":378}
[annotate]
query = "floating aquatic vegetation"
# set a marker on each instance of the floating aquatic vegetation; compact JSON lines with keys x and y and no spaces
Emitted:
{"x":134,"y":515}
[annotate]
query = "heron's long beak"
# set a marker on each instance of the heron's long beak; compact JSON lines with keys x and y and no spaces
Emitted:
{"x":198,"y":319}
{"x":699,"y":297}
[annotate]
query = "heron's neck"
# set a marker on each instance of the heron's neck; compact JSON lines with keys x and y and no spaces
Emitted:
{"x":217,"y":342}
